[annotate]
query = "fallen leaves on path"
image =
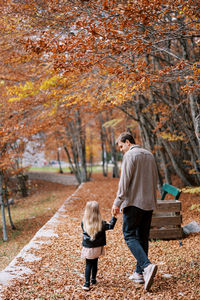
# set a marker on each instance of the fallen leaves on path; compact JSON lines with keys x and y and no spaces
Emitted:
{"x":60,"y":272}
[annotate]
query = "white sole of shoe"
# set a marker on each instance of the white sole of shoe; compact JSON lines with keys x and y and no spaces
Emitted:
{"x":138,"y":281}
{"x":149,"y":282}
{"x":85,"y":288}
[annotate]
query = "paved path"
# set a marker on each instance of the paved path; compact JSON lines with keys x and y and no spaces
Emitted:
{"x":65,"y":179}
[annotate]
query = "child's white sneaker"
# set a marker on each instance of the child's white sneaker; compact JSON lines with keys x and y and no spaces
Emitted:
{"x":86,"y":287}
{"x":149,"y":273}
{"x":137,"y":277}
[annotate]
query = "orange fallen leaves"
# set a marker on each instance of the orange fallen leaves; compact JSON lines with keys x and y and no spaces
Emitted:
{"x":60,"y":272}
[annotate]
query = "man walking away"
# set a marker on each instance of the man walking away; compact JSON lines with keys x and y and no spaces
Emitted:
{"x":136,"y":197}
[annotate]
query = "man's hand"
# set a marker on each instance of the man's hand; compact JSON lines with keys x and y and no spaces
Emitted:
{"x":115,"y":210}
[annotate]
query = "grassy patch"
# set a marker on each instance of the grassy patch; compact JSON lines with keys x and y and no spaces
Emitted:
{"x":49,"y":169}
{"x":55,"y":169}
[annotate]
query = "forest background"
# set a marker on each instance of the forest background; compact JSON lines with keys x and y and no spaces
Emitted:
{"x":77,"y":73}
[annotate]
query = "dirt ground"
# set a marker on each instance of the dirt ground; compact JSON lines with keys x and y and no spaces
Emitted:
{"x":60,"y":272}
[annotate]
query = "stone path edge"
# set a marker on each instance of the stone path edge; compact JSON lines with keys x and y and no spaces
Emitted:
{"x":15,"y":270}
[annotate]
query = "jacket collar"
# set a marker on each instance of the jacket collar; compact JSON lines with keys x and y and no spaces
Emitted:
{"x":134,"y":146}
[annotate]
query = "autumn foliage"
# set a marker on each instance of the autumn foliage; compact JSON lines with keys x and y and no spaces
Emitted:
{"x":70,"y":60}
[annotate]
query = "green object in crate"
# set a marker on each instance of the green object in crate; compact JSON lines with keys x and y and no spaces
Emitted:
{"x":170,"y":189}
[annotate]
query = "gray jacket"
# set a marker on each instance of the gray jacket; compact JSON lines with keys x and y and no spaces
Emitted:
{"x":138,"y":180}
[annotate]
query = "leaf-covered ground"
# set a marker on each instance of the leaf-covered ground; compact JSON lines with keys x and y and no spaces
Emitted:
{"x":29,"y":214}
{"x":60,"y":272}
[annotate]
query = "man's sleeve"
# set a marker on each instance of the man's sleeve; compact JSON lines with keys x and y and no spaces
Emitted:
{"x":127,"y":170}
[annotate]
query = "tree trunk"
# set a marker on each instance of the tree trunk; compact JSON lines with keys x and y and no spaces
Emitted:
{"x":178,"y":171}
{"x":76,"y":137}
{"x":114,"y":157}
{"x":111,"y":142}
{"x":103,"y":148}
{"x":58,"y":158}
{"x":194,"y":113}
{"x":90,"y":157}
{"x":22,"y":183}
{"x":166,"y":170}
{"x":74,"y":170}
{"x":8,"y":206}
{"x":5,"y":237}
{"x":81,"y":146}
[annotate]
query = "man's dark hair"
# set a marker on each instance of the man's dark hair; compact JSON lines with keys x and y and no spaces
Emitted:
{"x":125,"y":136}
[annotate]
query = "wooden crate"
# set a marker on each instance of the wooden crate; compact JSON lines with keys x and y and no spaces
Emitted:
{"x":166,"y":220}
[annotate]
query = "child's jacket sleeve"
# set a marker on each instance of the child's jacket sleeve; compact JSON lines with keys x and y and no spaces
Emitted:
{"x":109,"y":225}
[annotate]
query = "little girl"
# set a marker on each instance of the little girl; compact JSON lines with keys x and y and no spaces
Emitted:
{"x":94,"y":239}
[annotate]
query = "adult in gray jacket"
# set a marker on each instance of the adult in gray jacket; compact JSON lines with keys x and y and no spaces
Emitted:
{"x":136,"y":197}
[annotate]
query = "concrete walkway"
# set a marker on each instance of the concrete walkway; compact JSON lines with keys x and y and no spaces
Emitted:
{"x":65,"y":179}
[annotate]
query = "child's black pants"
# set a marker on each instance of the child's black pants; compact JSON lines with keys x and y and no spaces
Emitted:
{"x":91,"y":267}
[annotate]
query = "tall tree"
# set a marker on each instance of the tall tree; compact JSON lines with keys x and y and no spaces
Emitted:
{"x":145,"y":52}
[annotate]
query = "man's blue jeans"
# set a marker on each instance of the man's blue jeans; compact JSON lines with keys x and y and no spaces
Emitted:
{"x":136,"y":227}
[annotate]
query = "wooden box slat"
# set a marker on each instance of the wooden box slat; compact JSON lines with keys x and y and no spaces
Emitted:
{"x":166,"y":220}
{"x":168,"y":205}
{"x":167,"y":233}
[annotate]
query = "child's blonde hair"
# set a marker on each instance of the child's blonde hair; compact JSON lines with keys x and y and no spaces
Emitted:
{"x":92,"y":221}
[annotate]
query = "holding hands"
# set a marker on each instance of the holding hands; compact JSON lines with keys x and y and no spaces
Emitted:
{"x":115,"y":211}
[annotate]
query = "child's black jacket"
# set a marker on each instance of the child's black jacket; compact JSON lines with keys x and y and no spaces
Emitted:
{"x":100,"y":239}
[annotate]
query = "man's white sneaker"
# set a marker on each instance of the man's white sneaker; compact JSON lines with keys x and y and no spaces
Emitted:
{"x":136,"y":277}
{"x":149,"y":273}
